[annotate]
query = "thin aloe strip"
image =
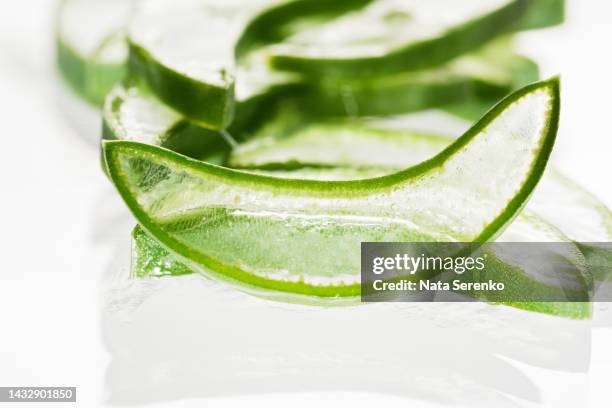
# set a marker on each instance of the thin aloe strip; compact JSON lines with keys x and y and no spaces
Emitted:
{"x":390,"y":36}
{"x":91,"y":50}
{"x":301,"y":238}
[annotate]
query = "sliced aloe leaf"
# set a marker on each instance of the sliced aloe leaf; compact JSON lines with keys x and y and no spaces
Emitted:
{"x":352,"y":149}
{"x":151,"y":260}
{"x":300,"y":238}
{"x":281,"y":20}
{"x":130,"y":113}
{"x":521,"y":71}
{"x":91,"y":49}
{"x":581,"y":216}
{"x":563,"y":260}
{"x":488,"y":74}
{"x":290,"y":144}
{"x":544,"y":13}
{"x":185,"y":51}
{"x":390,"y":36}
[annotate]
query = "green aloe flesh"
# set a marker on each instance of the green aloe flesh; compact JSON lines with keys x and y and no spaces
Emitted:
{"x":151,"y":260}
{"x":487,"y":74}
{"x":130,"y":113}
{"x":167,"y":51}
{"x":390,"y":36}
{"x":186,"y":52}
{"x":301,"y":237}
{"x":91,"y":50}
{"x":582,"y":217}
{"x":351,"y":149}
{"x":282,"y":19}
{"x":543,"y":13}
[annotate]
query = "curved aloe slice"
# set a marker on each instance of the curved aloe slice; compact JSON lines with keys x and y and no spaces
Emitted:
{"x":391,"y":36}
{"x":91,"y":50}
{"x":350,"y":149}
{"x":301,"y":237}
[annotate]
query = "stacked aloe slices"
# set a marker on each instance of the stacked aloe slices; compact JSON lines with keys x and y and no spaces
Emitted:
{"x":303,"y":86}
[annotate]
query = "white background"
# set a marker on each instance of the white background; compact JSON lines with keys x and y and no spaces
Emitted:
{"x":51,"y":189}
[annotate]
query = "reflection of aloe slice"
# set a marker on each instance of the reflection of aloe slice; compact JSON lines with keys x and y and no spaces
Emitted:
{"x":396,"y":35}
{"x":91,"y":51}
{"x":301,"y":237}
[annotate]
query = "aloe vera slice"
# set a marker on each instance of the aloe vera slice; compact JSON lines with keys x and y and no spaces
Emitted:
{"x":543,"y":13}
{"x":564,"y":260}
{"x":91,"y":50}
{"x":351,"y":149}
{"x":185,"y":51}
{"x":487,"y":74}
{"x":301,"y":238}
{"x":285,"y":18}
{"x":581,"y":216}
{"x":286,"y":143}
{"x":130,"y":113}
{"x":151,"y":260}
{"x":391,"y":36}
